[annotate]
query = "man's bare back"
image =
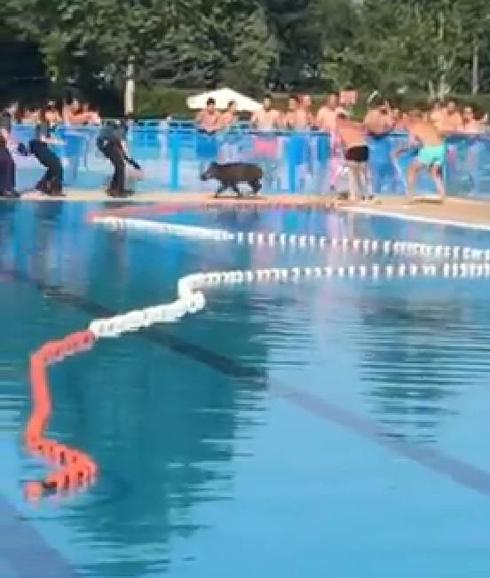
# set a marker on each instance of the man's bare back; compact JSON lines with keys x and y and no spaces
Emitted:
{"x":351,"y":133}
{"x":424,"y":132}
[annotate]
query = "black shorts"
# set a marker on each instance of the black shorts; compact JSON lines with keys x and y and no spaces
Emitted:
{"x":358,"y":154}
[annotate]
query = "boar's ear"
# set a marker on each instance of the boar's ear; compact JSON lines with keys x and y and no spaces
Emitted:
{"x":213,"y":165}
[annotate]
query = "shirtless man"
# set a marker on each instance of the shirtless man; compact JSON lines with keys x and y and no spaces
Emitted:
{"x":353,"y":137}
{"x":325,"y":122}
{"x":209,"y":119}
{"x":91,"y":115}
{"x":452,"y":121}
{"x":266,"y":118}
{"x":470,"y":125}
{"x":70,"y":111}
{"x":306,"y":116}
{"x":228,"y":123}
{"x":297,"y":117}
{"x":424,"y":134}
{"x":436,"y":115}
{"x":326,"y":116}
{"x":230,"y":116}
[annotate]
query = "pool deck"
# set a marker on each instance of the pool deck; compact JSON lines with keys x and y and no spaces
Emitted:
{"x":470,"y":213}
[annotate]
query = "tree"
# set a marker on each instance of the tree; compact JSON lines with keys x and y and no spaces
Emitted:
{"x":253,"y":54}
{"x":434,"y":46}
{"x":297,"y":38}
{"x":423,"y":45}
{"x":71,"y":32}
{"x":475,"y":15}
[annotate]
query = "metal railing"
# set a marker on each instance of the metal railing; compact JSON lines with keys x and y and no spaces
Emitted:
{"x":173,"y":155}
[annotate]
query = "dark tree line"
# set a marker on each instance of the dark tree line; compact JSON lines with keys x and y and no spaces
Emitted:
{"x":430,"y":46}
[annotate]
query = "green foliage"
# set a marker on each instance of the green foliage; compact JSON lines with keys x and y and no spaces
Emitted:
{"x":160,"y":101}
{"x":420,"y":46}
{"x":253,"y":54}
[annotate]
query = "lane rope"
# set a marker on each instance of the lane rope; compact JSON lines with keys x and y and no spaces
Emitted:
{"x":74,"y":469}
{"x":361,"y":245}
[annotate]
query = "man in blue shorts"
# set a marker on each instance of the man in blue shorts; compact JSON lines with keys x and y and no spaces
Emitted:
{"x":431,"y":154}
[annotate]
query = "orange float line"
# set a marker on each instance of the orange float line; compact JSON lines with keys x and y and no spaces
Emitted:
{"x":74,"y":468}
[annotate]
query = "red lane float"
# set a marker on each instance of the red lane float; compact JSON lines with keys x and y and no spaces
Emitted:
{"x":75,"y":469}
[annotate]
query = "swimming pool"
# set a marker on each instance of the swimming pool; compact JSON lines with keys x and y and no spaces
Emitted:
{"x":328,"y":428}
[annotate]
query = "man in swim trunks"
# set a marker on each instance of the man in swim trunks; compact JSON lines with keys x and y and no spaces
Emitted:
{"x":266,"y":121}
{"x":353,"y":137}
{"x":431,"y":155}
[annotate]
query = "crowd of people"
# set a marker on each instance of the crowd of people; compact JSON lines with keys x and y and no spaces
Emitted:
{"x":428,"y":127}
{"x":45,"y":120}
{"x":69,"y":112}
{"x":381,"y":118}
{"x":52,"y":181}
{"x":349,"y":139}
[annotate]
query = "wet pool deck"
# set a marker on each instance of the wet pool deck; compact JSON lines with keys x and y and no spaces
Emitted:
{"x":470,"y":213}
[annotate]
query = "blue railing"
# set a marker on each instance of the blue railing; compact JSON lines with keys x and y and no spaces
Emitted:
{"x":174,"y":154}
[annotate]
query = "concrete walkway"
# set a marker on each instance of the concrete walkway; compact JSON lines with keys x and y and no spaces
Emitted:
{"x":455,"y":211}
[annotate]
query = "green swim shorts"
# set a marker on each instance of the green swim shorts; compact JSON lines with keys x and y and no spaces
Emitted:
{"x":431,"y":155}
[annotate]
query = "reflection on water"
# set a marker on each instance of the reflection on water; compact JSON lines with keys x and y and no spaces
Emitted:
{"x":416,"y":353}
{"x":167,"y":413}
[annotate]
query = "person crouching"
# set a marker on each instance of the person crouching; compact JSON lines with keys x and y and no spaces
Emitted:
{"x":111,"y":143}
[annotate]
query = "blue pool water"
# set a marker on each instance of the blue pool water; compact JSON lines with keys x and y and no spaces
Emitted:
{"x":328,"y":429}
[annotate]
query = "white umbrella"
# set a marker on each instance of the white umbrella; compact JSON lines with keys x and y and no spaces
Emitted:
{"x":222,"y":97}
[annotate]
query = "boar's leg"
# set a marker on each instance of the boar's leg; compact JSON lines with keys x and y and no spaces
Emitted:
{"x":255,"y":185}
{"x":222,"y":187}
{"x":235,"y":188}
